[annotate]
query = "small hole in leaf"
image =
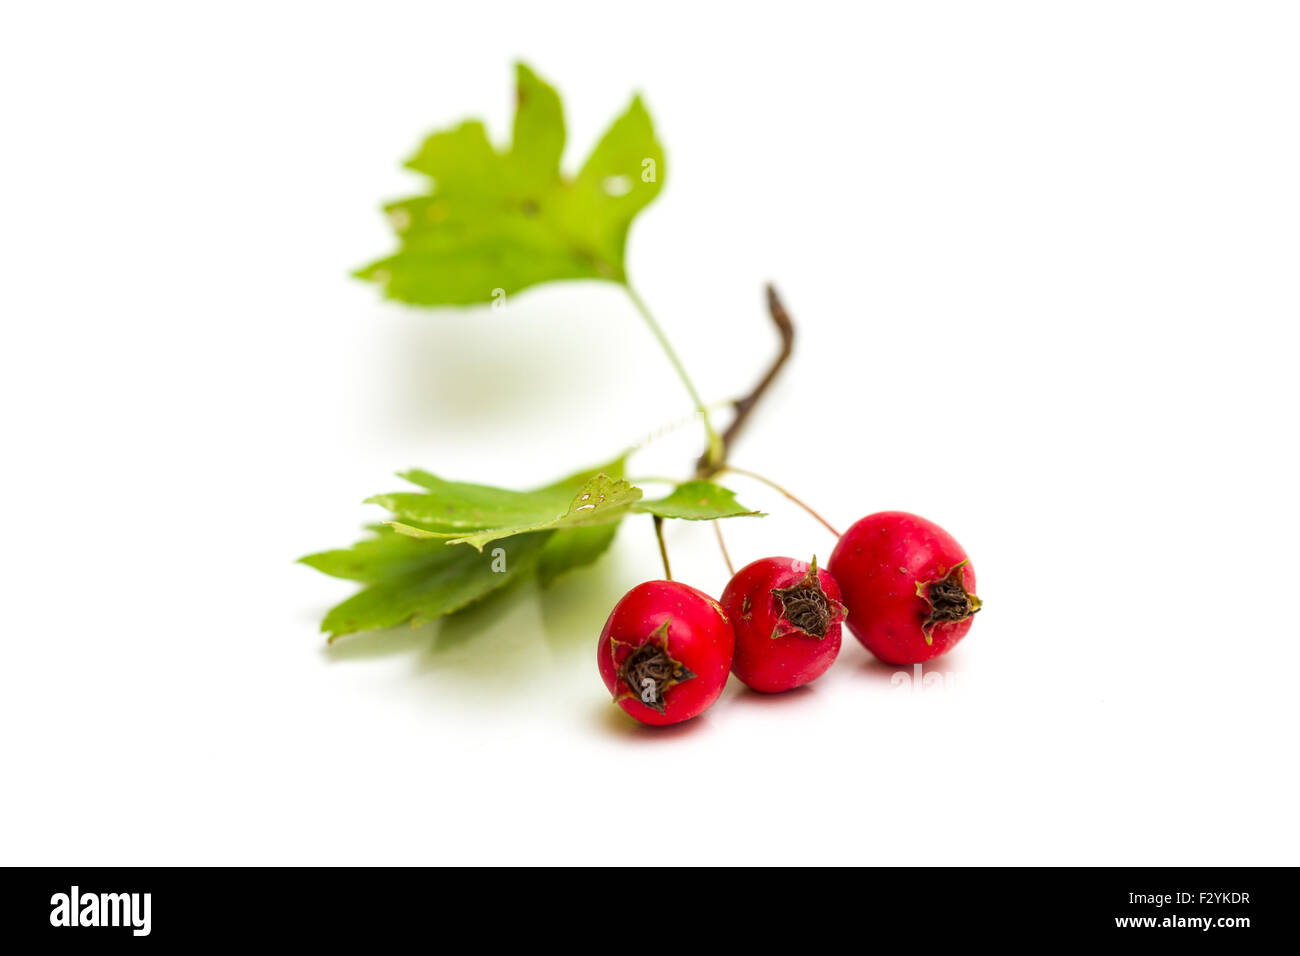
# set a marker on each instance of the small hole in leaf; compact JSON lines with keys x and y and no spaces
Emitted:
{"x":617,"y":185}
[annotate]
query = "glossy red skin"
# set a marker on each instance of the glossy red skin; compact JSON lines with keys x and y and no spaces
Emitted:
{"x":877,"y":564}
{"x":762,"y":662}
{"x":699,"y":635}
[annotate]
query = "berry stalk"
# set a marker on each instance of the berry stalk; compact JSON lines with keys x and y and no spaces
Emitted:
{"x":775,"y":487}
{"x":663,"y":549}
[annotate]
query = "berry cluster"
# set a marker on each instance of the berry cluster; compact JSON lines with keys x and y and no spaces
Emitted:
{"x":902,"y":584}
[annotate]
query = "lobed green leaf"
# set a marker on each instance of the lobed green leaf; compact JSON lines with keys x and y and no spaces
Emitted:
{"x":509,"y":220}
{"x":413,"y":572}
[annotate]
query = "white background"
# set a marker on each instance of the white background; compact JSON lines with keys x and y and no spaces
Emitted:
{"x":1043,"y":261}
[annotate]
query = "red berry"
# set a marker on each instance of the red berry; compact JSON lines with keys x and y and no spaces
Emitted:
{"x":908,"y":586}
{"x":665,"y":652}
{"x":786,"y":614}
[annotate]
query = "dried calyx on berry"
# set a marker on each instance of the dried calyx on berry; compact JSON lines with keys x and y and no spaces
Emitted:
{"x":949,"y":600}
{"x":806,"y":608}
{"x":648,"y":672}
{"x":786,"y":614}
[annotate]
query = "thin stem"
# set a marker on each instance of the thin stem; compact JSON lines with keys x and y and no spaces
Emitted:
{"x":775,"y":487}
{"x":652,"y":480}
{"x":714,"y":454}
{"x":669,"y":427}
{"x":717,"y":530}
{"x":663,"y":551}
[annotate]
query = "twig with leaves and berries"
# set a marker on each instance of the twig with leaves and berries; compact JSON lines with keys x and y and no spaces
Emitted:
{"x":494,"y":222}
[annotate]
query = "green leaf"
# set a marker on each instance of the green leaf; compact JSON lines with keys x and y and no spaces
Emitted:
{"x":511,"y":219}
{"x":539,"y":124}
{"x":574,"y":548}
{"x":454,"y":506}
{"x":569,"y":485}
{"x":417,"y":581}
{"x":387,"y":554}
{"x":413,"y":572}
{"x":601,"y":499}
{"x":570,"y":548}
{"x":697,"y":501}
{"x":627,"y":158}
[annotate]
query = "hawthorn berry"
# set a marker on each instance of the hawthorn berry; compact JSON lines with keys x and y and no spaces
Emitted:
{"x":908,"y":585}
{"x":786,"y":614}
{"x":665,"y":652}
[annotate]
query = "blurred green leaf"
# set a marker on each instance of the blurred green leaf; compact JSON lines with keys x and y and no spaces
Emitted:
{"x":574,"y":548}
{"x":511,"y":219}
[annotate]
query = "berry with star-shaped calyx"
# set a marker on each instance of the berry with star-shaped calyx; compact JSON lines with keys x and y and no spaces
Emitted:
{"x":908,"y":585}
{"x":786,"y":614}
{"x":665,"y":652}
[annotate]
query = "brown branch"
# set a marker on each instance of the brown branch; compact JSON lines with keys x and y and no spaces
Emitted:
{"x":743,"y":406}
